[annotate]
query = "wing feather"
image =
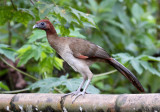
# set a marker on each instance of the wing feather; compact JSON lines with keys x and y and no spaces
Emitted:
{"x":82,"y":47}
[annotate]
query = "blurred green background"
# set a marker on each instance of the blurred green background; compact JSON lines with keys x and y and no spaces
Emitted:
{"x":128,"y":30}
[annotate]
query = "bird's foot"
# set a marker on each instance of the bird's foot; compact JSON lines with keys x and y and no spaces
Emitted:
{"x":77,"y":95}
{"x":72,"y":93}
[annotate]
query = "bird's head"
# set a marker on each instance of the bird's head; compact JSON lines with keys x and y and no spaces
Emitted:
{"x":46,"y":25}
{"x":43,"y":24}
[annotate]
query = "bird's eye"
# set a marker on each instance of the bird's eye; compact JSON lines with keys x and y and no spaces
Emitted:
{"x":42,"y":23}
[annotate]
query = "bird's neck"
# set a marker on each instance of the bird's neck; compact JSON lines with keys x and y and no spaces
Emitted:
{"x":51,"y":32}
{"x":53,"y":38}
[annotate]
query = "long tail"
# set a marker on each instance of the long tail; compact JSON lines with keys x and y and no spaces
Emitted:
{"x":128,"y":74}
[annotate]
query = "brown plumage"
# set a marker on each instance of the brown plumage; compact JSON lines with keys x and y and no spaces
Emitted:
{"x":80,"y":54}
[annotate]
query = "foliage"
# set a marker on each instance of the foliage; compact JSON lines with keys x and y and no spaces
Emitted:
{"x":8,"y":52}
{"x":126,"y":29}
{"x":139,"y":63}
{"x":3,"y":86}
{"x":48,"y":84}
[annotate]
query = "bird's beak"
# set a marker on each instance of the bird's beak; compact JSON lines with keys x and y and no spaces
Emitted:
{"x":35,"y":26}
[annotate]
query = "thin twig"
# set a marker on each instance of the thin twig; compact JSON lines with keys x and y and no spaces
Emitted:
{"x":103,"y":74}
{"x":13,"y":5}
{"x":58,"y":90}
{"x":16,"y":91}
{"x":32,"y":2}
{"x":26,"y":74}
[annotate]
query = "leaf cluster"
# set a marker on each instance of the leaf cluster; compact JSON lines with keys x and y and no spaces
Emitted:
{"x":51,"y":84}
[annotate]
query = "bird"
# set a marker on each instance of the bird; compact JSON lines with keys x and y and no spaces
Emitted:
{"x":80,"y":54}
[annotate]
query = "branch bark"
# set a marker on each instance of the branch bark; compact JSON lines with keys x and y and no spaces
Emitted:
{"x":91,"y":103}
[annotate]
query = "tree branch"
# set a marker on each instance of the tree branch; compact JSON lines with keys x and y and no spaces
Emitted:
{"x":90,"y":103}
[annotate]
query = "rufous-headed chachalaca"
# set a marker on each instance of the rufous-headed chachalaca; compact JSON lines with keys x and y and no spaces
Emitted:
{"x":80,"y":54}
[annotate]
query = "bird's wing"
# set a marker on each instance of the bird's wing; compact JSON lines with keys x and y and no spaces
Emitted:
{"x":84,"y":49}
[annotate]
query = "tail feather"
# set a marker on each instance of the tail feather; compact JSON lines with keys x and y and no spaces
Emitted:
{"x":128,"y":74}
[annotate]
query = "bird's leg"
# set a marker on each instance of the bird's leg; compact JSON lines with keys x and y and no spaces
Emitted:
{"x":78,"y":90}
{"x":83,"y":92}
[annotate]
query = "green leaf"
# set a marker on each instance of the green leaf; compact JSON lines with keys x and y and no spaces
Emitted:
{"x":63,"y":13}
{"x":25,"y":54}
{"x":81,"y":15}
{"x":19,"y":17}
{"x":93,"y":6}
{"x":149,"y":67}
{"x":106,"y":5}
{"x":6,"y":14}
{"x":92,"y":89}
{"x":136,"y":65}
{"x":47,"y":85}
{"x":8,"y":52}
{"x":3,"y":86}
{"x":37,"y":34}
{"x":154,"y":83}
{"x":58,"y":63}
{"x":131,"y":47}
{"x":149,"y":58}
{"x":24,"y":58}
{"x":145,"y":65}
{"x":76,"y":33}
{"x":115,"y":23}
{"x":123,"y":17}
{"x":124,"y":57}
{"x":43,"y":54}
{"x":37,"y":50}
{"x":28,"y":11}
{"x":137,"y":11}
{"x":64,"y":31}
{"x":74,"y":83}
{"x":76,"y":12}
{"x":44,"y":9}
{"x":46,"y":65}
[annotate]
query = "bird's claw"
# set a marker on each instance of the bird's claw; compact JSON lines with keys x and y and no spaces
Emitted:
{"x":72,"y":93}
{"x":79,"y":94}
{"x":76,"y":94}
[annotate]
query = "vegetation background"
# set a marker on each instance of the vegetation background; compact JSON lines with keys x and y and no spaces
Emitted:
{"x":129,"y":30}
